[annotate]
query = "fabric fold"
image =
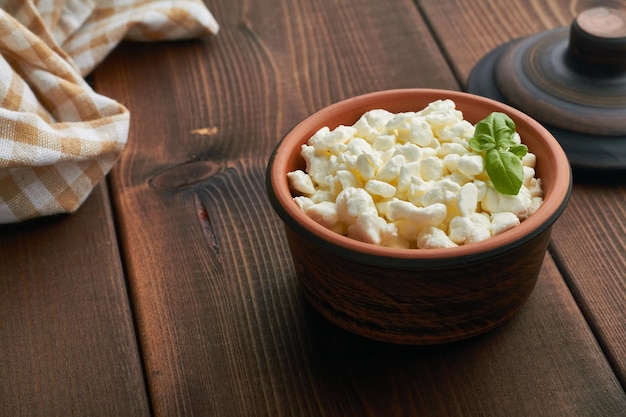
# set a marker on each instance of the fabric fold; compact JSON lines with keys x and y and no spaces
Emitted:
{"x":58,"y":137}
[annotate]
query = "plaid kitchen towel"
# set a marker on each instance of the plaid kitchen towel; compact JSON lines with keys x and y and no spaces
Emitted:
{"x":58,"y":138}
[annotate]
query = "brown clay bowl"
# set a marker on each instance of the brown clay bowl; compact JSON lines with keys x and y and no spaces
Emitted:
{"x":418,"y":296}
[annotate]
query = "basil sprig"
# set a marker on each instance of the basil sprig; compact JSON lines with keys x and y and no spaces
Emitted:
{"x":494,"y":137}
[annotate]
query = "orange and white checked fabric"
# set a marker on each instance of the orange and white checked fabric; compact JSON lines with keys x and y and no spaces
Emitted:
{"x":58,"y":138}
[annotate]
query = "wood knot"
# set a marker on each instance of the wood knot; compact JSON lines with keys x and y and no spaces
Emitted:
{"x":185,"y":174}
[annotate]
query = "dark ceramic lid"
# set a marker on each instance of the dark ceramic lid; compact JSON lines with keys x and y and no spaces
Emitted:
{"x":573,"y":80}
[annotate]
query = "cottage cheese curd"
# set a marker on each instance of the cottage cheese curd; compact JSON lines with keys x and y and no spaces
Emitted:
{"x":408,"y":180}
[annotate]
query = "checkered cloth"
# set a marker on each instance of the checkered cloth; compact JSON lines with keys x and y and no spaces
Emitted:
{"x":58,"y":138}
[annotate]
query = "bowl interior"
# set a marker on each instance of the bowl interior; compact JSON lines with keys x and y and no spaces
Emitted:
{"x":552,"y":166}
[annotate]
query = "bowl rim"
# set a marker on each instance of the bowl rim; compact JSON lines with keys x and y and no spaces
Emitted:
{"x":281,"y":198}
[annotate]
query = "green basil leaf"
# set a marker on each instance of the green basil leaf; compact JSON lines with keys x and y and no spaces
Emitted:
{"x":482,"y":142}
{"x":495,"y":136}
{"x":519,"y":150}
{"x":500,"y":127}
{"x":505,"y":171}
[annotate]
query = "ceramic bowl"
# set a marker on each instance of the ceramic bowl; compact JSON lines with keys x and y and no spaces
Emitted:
{"x":418,"y":296}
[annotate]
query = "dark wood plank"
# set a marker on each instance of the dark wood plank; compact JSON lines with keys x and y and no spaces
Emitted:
{"x":224,"y":327}
{"x":469,"y":29}
{"x":590,"y":244}
{"x":67,"y":342}
{"x":589,"y":239}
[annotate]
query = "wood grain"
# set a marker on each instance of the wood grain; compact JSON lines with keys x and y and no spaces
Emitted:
{"x":67,"y":342}
{"x":224,"y":327}
{"x":467,"y":30}
{"x":594,"y":224}
{"x":206,"y":258}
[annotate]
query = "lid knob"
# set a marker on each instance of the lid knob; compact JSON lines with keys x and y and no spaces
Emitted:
{"x":598,"y":40}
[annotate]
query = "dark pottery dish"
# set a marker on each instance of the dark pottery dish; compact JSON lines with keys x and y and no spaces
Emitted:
{"x":418,"y":296}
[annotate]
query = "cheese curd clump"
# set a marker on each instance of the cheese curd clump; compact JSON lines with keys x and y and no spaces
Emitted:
{"x":408,"y":180}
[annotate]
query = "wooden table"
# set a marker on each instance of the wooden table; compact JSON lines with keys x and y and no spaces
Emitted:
{"x":171,"y":291}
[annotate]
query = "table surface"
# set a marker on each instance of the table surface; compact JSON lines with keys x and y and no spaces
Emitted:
{"x":171,"y":291}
